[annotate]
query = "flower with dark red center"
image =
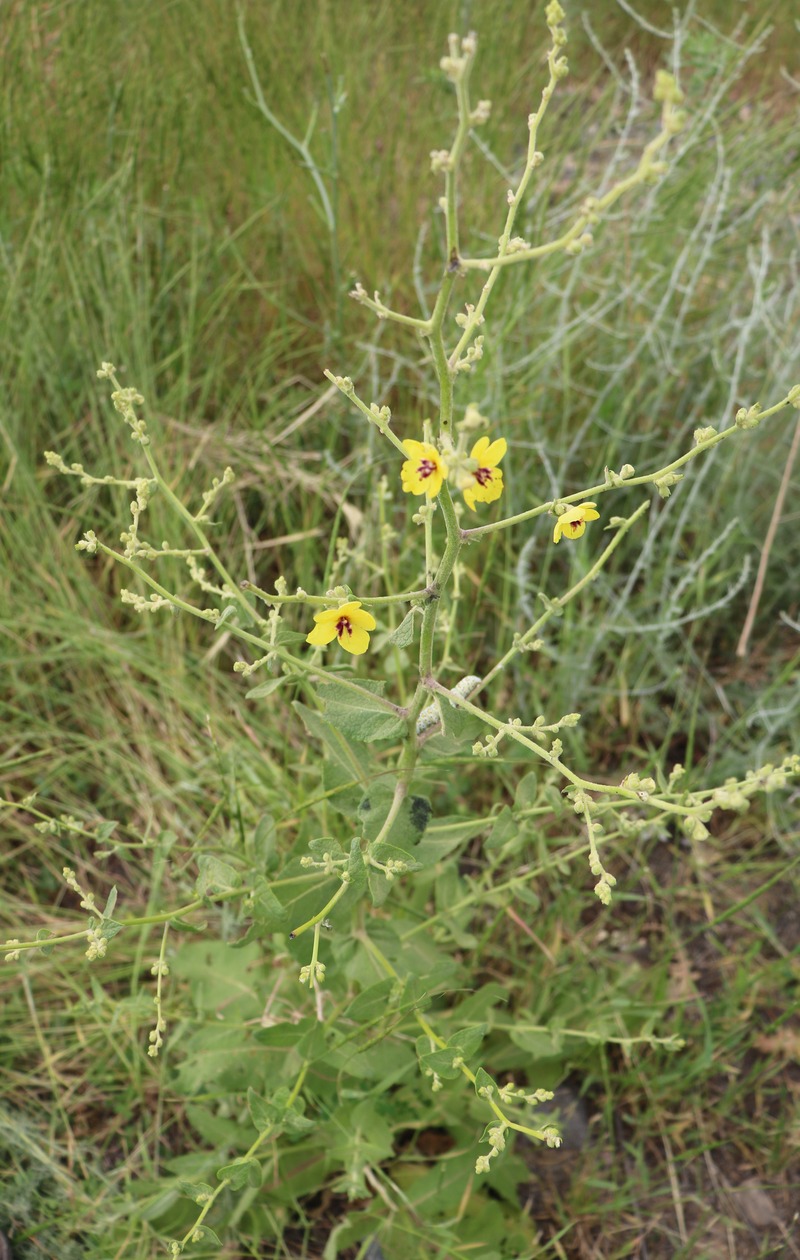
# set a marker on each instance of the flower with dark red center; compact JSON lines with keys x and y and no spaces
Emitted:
{"x":349,"y":624}
{"x":572,"y":523}
{"x":424,"y":471}
{"x":485,"y":483}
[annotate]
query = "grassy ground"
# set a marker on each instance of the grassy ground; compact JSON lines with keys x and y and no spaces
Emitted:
{"x":148,"y":214}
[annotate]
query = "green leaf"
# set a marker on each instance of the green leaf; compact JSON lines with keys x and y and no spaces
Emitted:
{"x":371,"y":1002}
{"x":242,"y":1172}
{"x":109,"y":927}
{"x":360,"y":712}
{"x":383,"y":852}
{"x":321,"y":845}
{"x":441,"y":1062}
{"x":355,"y":867}
{"x":194,"y":1190}
{"x":477,"y":1006}
{"x":265,"y":841}
{"x":284,"y":635}
{"x":539,"y":1045}
{"x":221,"y":1059}
{"x":214,"y":1129}
{"x":208,"y":1235}
{"x":484,"y":1081}
{"x":284,"y":1034}
{"x":294,"y":1122}
{"x":265,"y":688}
{"x":379,"y":885}
{"x":404,"y":634}
{"x":467,"y":1040}
{"x":226,"y":615}
{"x":183,"y":925}
{"x":455,"y":722}
{"x":312,"y":1046}
{"x":409,"y":825}
{"x":352,"y":759}
{"x":110,"y":903}
{"x":504,"y":828}
{"x":43,"y":935}
{"x":214,"y":875}
{"x":527,"y":794}
{"x":267,"y":911}
{"x":262,"y":1113}
{"x":343,"y":790}
{"x":445,"y":835}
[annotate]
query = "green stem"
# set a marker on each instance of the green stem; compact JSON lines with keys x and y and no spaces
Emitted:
{"x":444,"y":374}
{"x":327,"y":600}
{"x":439,"y":1041}
{"x":186,"y":515}
{"x":445,"y":569}
{"x":584,"y":220}
{"x":469,"y":535}
{"x":345,"y":385}
{"x":259,"y":1141}
{"x":323,"y":913}
{"x":561,"y":602}
{"x":475,"y":318}
{"x":452,"y":171}
{"x":208,"y":615}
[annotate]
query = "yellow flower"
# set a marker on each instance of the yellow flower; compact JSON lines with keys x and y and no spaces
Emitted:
{"x":572,"y":523}
{"x":487,"y":478}
{"x":349,"y":624}
{"x":424,"y":471}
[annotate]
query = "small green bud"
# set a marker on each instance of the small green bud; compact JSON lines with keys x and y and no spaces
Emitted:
{"x":694,"y":828}
{"x":665,"y":483}
{"x":654,"y":171}
{"x":675,"y":121}
{"x":554,"y":14}
{"x":704,"y":433}
{"x":666,"y":88}
{"x":748,"y":419}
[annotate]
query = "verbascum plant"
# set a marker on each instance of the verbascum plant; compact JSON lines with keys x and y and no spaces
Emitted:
{"x":378,"y":747}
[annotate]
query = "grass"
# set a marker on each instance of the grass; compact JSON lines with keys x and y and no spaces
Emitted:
{"x":148,"y":214}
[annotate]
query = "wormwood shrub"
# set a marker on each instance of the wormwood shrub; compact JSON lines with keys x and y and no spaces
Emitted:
{"x":346,"y":1023}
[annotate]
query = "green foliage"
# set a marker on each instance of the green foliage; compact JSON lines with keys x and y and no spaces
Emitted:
{"x":383,"y":840}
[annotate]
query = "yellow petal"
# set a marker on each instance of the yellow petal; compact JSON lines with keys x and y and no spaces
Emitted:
{"x":322,"y":633}
{"x":495,"y":453}
{"x":412,"y":480}
{"x":327,"y":615}
{"x":360,"y":617}
{"x":470,"y":495}
{"x":493,"y":488}
{"x":489,"y":454}
{"x":415,"y":449}
{"x":356,"y":641}
{"x":479,"y":451}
